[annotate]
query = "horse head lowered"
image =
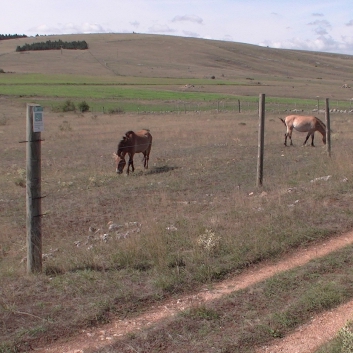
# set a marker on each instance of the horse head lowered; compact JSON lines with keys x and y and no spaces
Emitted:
{"x":131,"y":143}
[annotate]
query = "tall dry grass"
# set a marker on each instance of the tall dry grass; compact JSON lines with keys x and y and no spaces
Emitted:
{"x":115,"y":243}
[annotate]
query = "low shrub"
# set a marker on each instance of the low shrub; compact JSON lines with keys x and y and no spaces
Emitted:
{"x":116,"y":111}
{"x":83,"y":107}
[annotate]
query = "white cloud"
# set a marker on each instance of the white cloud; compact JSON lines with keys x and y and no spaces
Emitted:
{"x":320,"y":24}
{"x":135,"y":24}
{"x":187,"y":18}
{"x":160,"y":29}
{"x":321,"y":31}
{"x":69,"y":28}
{"x":191,"y":34}
{"x":321,"y":43}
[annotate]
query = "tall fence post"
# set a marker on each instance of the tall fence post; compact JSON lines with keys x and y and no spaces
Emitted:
{"x":34,"y":127}
{"x":328,"y":127}
{"x":260,"y":155}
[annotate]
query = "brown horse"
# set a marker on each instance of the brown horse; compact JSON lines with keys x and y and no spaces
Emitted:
{"x":131,"y":143}
{"x":308,"y":124}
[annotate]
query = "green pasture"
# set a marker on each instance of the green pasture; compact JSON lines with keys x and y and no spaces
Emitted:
{"x":131,"y":88}
{"x":143,"y":94}
{"x":103,"y":92}
{"x":113,"y":80}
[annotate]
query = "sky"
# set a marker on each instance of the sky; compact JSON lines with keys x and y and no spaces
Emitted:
{"x":317,"y":25}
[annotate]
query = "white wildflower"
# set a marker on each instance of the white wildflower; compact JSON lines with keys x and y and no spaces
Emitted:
{"x":208,"y":240}
{"x":324,"y":178}
{"x":114,"y":226}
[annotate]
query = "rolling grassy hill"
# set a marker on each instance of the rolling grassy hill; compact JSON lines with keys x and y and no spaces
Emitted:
{"x":219,"y":66}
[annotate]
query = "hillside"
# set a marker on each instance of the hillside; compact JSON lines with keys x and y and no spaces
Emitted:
{"x":279,"y":72}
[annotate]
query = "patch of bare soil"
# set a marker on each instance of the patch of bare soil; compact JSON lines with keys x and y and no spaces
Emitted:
{"x":305,"y":339}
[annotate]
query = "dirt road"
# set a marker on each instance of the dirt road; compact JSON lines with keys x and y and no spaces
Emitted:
{"x":304,"y":340}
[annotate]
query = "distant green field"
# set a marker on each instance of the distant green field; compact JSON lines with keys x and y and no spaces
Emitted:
{"x":113,"y":80}
{"x":95,"y":91}
{"x":135,"y":93}
{"x":79,"y":87}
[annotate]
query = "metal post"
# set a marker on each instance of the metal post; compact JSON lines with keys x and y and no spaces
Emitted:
{"x":260,"y":156}
{"x":33,"y":194}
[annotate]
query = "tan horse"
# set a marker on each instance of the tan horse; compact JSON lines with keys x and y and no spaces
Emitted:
{"x":131,"y":143}
{"x":308,"y":124}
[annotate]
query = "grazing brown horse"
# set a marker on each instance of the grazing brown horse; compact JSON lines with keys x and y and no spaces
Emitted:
{"x":308,"y":124}
{"x":131,"y":143}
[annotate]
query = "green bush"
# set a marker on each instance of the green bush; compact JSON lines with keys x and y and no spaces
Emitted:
{"x":116,"y":111}
{"x":83,"y":106}
{"x":68,"y":106}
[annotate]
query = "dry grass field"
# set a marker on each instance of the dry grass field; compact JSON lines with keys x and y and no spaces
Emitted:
{"x":113,"y":245}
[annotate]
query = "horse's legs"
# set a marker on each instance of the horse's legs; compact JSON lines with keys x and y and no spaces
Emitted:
{"x":290,"y":137}
{"x":131,"y":162}
{"x":288,"y":134}
{"x":306,"y":139}
{"x":145,"y":158}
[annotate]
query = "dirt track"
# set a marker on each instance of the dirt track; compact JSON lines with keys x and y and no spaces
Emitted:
{"x":303,"y":340}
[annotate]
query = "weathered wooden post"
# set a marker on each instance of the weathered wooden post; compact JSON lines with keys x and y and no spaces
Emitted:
{"x":33,"y":188}
{"x":328,"y":127}
{"x":260,"y":155}
{"x":318,"y":104}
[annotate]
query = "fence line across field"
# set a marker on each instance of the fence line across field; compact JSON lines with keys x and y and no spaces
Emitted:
{"x":313,"y":106}
{"x":33,"y":182}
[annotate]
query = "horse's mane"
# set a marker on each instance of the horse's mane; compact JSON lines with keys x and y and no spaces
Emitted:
{"x":323,"y":125}
{"x":122,"y":145}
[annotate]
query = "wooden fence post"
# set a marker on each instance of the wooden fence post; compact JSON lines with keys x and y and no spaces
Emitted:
{"x":328,"y":127}
{"x":33,"y":188}
{"x":260,"y":155}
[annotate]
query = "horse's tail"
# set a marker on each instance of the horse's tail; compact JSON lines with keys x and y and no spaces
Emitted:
{"x":283,"y":121}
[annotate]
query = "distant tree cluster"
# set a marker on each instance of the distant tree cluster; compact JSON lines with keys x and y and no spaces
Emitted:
{"x":54,"y":45}
{"x":12,"y":36}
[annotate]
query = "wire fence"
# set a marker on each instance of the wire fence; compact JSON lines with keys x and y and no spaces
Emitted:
{"x":237,"y":106}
